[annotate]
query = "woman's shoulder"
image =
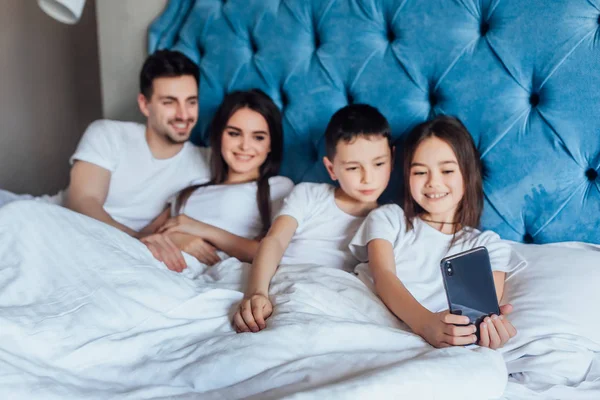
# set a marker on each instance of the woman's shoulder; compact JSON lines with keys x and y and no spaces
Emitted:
{"x":281,"y":181}
{"x":280,"y":186}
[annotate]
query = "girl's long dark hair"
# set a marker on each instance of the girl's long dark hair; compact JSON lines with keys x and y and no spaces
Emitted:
{"x":255,"y":100}
{"x":452,"y":131}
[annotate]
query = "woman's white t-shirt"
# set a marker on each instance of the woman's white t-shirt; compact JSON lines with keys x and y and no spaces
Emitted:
{"x":418,"y":252}
{"x":233,"y":207}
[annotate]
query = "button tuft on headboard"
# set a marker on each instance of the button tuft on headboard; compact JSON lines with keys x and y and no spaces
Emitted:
{"x":391,"y":36}
{"x":253,"y":45}
{"x":350,"y":98}
{"x":433,"y":100}
{"x":534,"y":99}
{"x":484,"y":28}
{"x":591,"y":174}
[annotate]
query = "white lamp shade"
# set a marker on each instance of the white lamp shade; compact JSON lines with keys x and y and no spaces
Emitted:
{"x":66,"y":11}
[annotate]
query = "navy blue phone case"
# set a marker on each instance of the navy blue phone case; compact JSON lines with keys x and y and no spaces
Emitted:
{"x":469,"y":285}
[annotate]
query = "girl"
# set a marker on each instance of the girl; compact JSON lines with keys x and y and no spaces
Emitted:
{"x":233,"y":210}
{"x":443,"y":202}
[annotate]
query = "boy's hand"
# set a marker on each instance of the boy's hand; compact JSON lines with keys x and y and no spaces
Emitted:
{"x":252,"y":313}
{"x":441,"y":330}
{"x":494,"y":332}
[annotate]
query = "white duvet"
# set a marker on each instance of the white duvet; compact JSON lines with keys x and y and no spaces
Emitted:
{"x":86,"y":312}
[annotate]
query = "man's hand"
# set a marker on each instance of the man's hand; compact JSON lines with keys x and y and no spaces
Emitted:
{"x":198,"y":248}
{"x":163,"y":249}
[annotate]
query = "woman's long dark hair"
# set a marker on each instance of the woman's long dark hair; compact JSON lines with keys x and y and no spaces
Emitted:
{"x":255,"y":100}
{"x":455,"y":134}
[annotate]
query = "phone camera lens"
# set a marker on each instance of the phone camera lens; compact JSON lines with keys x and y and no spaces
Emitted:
{"x":449,"y":269}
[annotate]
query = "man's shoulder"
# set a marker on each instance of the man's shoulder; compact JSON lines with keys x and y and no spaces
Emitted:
{"x":113,"y":129}
{"x":196,"y":154}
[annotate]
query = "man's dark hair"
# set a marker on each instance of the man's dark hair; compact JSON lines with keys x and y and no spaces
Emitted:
{"x":165,"y":63}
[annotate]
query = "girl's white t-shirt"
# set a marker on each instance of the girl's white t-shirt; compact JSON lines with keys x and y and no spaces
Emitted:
{"x":418,"y":252}
{"x":234,"y":207}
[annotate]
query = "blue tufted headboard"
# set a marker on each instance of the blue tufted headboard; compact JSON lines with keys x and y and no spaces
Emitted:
{"x":523,"y":75}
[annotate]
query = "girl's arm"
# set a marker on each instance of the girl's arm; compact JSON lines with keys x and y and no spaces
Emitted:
{"x":242,"y":248}
{"x":391,"y":290}
{"x":438,"y":329}
{"x":499,"y":278}
{"x":256,"y":307}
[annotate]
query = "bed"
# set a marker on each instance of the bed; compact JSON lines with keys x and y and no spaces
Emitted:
{"x":95,"y":316}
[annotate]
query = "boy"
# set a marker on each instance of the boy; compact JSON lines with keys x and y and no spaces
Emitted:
{"x":317,"y":221}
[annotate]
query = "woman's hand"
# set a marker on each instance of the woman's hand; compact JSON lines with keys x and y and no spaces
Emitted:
{"x":496,"y":330}
{"x":441,"y":330}
{"x":196,"y":247}
{"x":252,"y":313}
{"x":164,"y":250}
{"x":183,"y":224}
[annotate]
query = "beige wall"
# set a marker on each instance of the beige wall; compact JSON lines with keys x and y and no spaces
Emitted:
{"x":49,"y":93}
{"x":123,"y":43}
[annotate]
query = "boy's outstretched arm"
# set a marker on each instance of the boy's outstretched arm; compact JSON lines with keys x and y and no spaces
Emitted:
{"x":438,"y":329}
{"x":256,"y":307}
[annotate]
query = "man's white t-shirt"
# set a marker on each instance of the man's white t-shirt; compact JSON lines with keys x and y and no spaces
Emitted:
{"x":324,"y":231}
{"x":234,"y":207}
{"x":418,"y":252}
{"x":140,"y":185}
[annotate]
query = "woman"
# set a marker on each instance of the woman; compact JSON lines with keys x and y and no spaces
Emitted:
{"x":233,"y":210}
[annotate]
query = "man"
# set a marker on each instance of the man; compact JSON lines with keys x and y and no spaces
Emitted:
{"x":124,"y":173}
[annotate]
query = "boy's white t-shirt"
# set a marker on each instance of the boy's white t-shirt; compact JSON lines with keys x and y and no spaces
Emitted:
{"x":233,"y":207}
{"x":418,"y":253}
{"x":324,"y":231}
{"x":140,"y":185}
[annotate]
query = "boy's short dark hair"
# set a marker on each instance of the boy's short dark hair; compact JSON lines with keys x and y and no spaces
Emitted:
{"x":166,"y":63}
{"x":352,"y":121}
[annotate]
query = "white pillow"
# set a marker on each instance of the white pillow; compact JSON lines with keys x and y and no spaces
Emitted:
{"x":556,"y":294}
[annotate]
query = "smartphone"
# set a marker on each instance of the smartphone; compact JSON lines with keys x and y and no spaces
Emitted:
{"x":469,"y":285}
